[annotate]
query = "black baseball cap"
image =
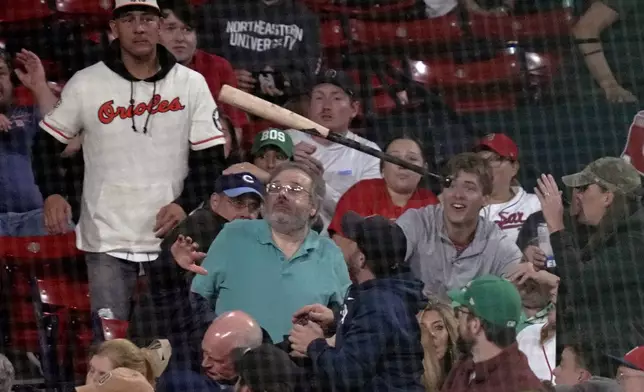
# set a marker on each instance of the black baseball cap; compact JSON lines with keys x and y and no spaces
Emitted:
{"x":381,"y":240}
{"x":234,"y":185}
{"x":336,"y":78}
{"x":265,"y":367}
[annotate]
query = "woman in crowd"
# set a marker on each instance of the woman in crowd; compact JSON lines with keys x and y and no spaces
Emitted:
{"x":510,"y":205}
{"x":397,"y":191}
{"x":600,"y":297}
{"x":121,"y":353}
{"x":439,"y":333}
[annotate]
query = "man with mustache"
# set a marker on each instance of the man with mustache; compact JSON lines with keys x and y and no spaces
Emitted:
{"x":272,"y":267}
{"x":450,"y":244}
{"x":488,"y":310}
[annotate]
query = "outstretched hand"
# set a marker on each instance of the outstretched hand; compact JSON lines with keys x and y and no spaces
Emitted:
{"x":187,"y":255}
{"x":551,"y":201}
{"x":32,"y":73}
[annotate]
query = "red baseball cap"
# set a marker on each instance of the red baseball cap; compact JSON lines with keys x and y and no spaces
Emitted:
{"x":500,"y":144}
{"x":633,"y":359}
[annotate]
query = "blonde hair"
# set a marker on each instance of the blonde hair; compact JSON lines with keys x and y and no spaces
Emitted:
{"x":124,"y":353}
{"x":434,"y":374}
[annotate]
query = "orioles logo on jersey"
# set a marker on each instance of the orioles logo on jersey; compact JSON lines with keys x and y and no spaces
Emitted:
{"x":107,"y":112}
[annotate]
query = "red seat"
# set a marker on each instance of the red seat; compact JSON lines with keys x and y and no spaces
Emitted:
{"x":448,"y":74}
{"x":114,"y":329}
{"x":332,"y":7}
{"x":39,"y":248}
{"x":332,"y":36}
{"x":98,"y":8}
{"x":423,"y":31}
{"x":548,"y":24}
{"x":13,"y":11}
{"x":63,"y":292}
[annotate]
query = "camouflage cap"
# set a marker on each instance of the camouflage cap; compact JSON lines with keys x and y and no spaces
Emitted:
{"x":614,"y":174}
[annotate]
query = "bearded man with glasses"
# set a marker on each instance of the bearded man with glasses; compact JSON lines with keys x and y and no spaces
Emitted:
{"x":272,"y":267}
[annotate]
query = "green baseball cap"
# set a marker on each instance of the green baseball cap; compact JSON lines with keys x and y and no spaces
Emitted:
{"x":273,"y":137}
{"x":492,"y":299}
{"x":614,"y":174}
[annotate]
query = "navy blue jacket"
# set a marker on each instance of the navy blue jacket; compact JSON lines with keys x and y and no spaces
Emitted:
{"x":377,"y":345}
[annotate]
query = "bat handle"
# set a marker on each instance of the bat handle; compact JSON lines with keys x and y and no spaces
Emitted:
{"x":336,"y":138}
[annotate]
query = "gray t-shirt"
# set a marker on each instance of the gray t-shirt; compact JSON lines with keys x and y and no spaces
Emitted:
{"x":434,"y":259}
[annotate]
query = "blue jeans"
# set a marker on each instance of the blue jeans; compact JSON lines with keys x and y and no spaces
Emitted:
{"x":22,"y":224}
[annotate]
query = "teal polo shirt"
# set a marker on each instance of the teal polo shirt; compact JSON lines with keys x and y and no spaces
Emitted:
{"x":248,"y":272}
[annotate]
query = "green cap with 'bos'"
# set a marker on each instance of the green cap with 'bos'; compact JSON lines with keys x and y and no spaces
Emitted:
{"x":273,"y":137}
{"x":492,"y":299}
{"x":614,"y":174}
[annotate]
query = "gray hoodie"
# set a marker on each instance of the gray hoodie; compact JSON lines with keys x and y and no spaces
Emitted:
{"x":436,"y":262}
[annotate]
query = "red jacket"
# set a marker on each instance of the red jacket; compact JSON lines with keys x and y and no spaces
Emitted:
{"x":507,"y":372}
{"x":217,"y":71}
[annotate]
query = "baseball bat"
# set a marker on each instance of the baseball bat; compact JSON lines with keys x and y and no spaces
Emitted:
{"x":277,"y":114}
{"x":269,"y":111}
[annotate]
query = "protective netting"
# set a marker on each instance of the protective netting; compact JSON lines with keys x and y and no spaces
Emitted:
{"x":560,"y":77}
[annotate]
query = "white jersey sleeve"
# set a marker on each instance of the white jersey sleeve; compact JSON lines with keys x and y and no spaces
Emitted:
{"x":206,"y":129}
{"x":64,"y":121}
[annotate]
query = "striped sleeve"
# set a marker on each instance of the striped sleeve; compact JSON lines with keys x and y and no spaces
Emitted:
{"x":206,"y":128}
{"x":63,"y":122}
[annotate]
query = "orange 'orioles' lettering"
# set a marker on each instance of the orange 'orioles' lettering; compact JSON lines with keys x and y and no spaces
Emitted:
{"x":107,"y":112}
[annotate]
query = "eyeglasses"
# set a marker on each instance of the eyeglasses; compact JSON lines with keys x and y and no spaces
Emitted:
{"x":290,"y":190}
{"x":241,"y":203}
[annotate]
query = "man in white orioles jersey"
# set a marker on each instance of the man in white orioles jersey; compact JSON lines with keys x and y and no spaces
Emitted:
{"x":510,"y":205}
{"x":152,"y":148}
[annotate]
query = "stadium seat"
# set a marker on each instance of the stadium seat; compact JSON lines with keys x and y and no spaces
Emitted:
{"x":417,"y":32}
{"x":547,"y":24}
{"x":29,"y":249}
{"x":377,"y":10}
{"x":97,"y":8}
{"x":62,"y":310}
{"x":24,"y":11}
{"x":447,"y":73}
{"x":332,"y":35}
{"x":114,"y":329}
{"x":504,"y":68}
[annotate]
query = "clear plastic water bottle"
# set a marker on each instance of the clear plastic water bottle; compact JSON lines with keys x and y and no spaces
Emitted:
{"x":544,"y":244}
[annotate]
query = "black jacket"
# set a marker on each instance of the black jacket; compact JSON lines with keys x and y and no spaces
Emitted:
{"x":377,"y":347}
{"x":600,"y":300}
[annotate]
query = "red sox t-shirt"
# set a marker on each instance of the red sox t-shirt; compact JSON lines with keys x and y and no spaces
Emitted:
{"x":370,"y":197}
{"x":217,"y":71}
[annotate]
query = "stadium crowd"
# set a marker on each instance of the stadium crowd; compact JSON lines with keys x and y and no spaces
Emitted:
{"x":300,"y":264}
